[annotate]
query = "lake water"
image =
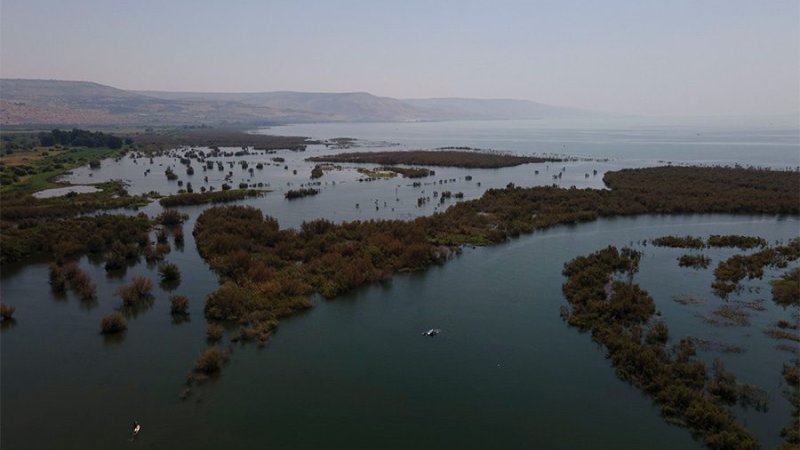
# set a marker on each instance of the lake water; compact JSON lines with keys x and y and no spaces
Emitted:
{"x":355,"y":372}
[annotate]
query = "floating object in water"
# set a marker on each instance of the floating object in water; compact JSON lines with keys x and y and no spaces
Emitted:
{"x":432,"y":332}
{"x":136,"y":428}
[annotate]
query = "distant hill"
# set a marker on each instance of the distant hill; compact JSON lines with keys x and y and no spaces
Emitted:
{"x":55,"y":102}
{"x":310,"y":106}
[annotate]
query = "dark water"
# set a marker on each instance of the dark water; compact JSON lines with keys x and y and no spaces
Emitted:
{"x":506,"y":372}
{"x":355,"y":372}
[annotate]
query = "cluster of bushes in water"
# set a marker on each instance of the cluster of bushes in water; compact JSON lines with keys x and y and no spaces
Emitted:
{"x":26,"y":207}
{"x":786,"y":289}
{"x":451,"y":158}
{"x":258,"y":262}
{"x":71,"y":276}
{"x":300,"y":193}
{"x":621,"y":316}
{"x":71,"y":236}
{"x":208,"y":197}
{"x":731,"y":271}
{"x":267,"y":273}
{"x":410,"y":172}
{"x":715,"y":240}
{"x":696,"y":261}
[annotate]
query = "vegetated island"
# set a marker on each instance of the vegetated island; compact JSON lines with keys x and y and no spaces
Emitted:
{"x":620,"y":316}
{"x":209,"y":197}
{"x":152,"y":140}
{"x":267,"y":273}
{"x":443,"y":158}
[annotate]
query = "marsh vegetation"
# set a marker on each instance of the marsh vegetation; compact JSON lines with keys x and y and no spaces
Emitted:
{"x":447,"y":158}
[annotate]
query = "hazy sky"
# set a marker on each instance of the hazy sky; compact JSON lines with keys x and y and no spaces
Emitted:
{"x":639,"y":56}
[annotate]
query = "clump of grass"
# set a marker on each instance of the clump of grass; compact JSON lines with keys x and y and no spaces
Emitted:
{"x":694,"y":261}
{"x":179,"y":305}
{"x":7,"y":311}
{"x":178,"y":236}
{"x":161,"y":236}
{"x":215,"y":332}
{"x":137,"y":290}
{"x":169,"y":272}
{"x":211,"y":360}
{"x":259,"y":331}
{"x":113,"y":323}
{"x":58,"y":281}
{"x":154,"y":253}
{"x":79,"y":281}
{"x":777,"y":333}
{"x":171,"y":217}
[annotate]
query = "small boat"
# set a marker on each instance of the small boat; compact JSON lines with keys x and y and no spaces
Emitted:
{"x":432,"y":332}
{"x":136,"y":428}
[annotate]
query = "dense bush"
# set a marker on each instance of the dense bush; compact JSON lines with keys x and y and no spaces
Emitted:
{"x":731,"y":271}
{"x":179,"y":305}
{"x":679,"y":242}
{"x":696,"y":261}
{"x":7,"y":311}
{"x":451,"y":158}
{"x":169,"y":271}
{"x":733,"y":240}
{"x":137,"y":290}
{"x":113,"y":323}
{"x":171,"y":217}
{"x":79,"y":138}
{"x":214,"y":332}
{"x":786,"y":289}
{"x":211,"y":360}
{"x":208,"y":197}
{"x":299,"y":193}
{"x":71,"y":237}
{"x":615,"y":313}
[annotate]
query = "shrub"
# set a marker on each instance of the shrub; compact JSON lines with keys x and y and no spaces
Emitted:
{"x":137,"y":290}
{"x":299,"y":193}
{"x":179,"y":304}
{"x":178,"y":236}
{"x":7,"y":311}
{"x":169,"y":271}
{"x":79,"y":281}
{"x":211,"y":360}
{"x":113,"y":323}
{"x":694,"y":261}
{"x":58,"y":282}
{"x":171,"y":217}
{"x":215,"y":332}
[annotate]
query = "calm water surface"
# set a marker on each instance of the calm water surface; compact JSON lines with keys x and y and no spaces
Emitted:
{"x":355,"y":372}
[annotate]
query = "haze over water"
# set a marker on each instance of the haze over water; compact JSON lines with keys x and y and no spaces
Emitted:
{"x":765,"y":142}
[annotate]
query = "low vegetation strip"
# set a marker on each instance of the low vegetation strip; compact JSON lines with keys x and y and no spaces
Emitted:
{"x":448,"y":158}
{"x":731,"y":271}
{"x":215,"y":137}
{"x":112,"y":195}
{"x":621,"y":317}
{"x":209,"y":197}
{"x":267,"y":272}
{"x":70,"y":237}
{"x":300,"y":193}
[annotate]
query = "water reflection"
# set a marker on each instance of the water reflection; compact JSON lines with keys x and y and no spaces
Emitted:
{"x":114,"y":339}
{"x":132,"y":310}
{"x":7,"y":324}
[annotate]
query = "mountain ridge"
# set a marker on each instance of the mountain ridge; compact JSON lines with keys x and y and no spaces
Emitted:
{"x":63,"y":102}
